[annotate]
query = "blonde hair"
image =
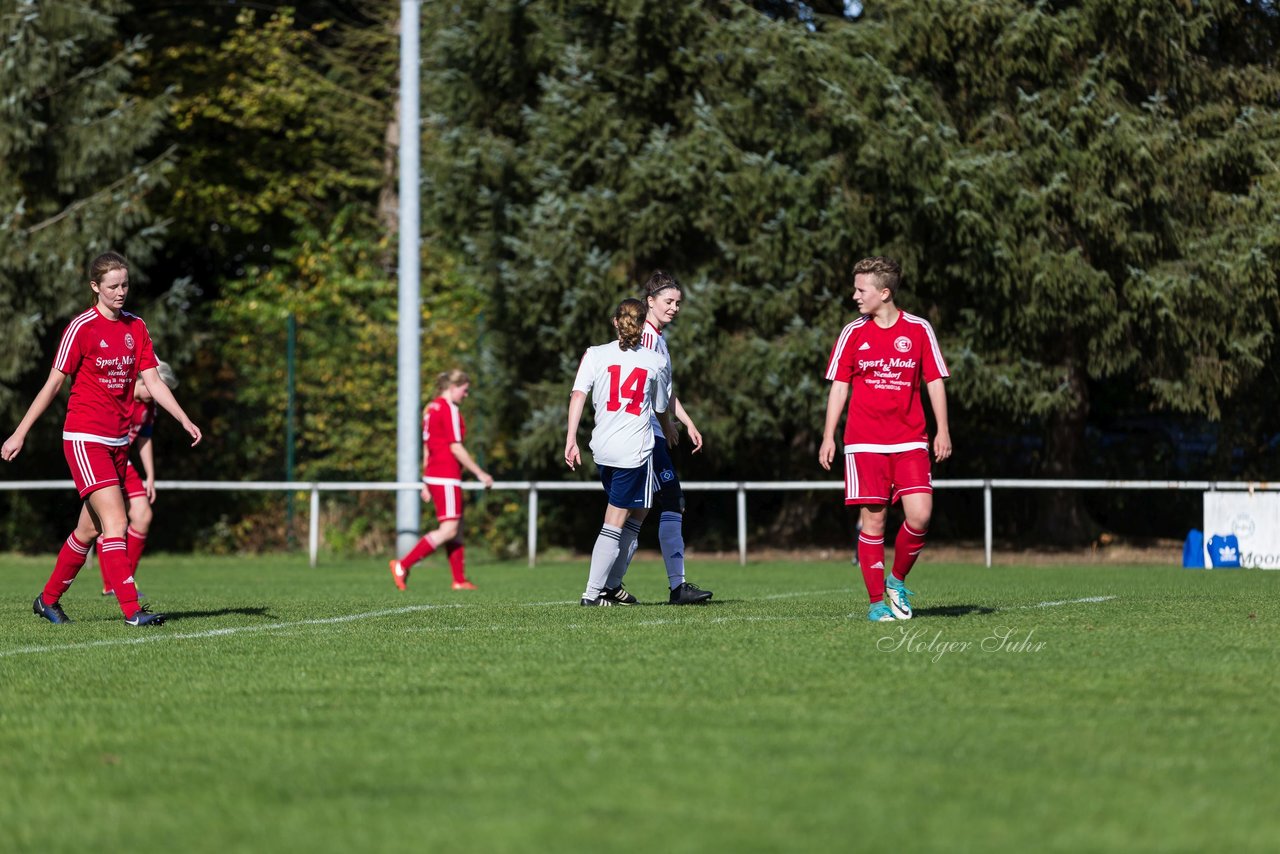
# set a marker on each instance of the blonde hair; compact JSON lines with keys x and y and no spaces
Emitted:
{"x":887,"y":271}
{"x":167,"y":376}
{"x":446,"y":380}
{"x":629,"y":319}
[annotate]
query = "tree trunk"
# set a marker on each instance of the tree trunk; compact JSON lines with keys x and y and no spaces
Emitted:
{"x":1062,"y":519}
{"x":389,"y":196}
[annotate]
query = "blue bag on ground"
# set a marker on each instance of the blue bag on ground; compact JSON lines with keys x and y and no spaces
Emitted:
{"x":1193,"y":550}
{"x":1224,"y":552}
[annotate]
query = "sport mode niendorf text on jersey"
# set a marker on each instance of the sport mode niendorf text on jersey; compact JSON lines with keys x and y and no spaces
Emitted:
{"x":884,"y":369}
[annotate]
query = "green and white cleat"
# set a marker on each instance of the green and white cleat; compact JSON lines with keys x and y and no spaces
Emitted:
{"x":880,"y":613}
{"x":898,"y":597}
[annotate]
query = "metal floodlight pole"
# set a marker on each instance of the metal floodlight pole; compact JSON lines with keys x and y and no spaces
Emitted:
{"x":408,"y":424}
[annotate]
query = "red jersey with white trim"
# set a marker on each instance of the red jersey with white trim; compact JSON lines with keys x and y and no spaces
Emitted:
{"x":103,"y":357}
{"x":885,"y":369}
{"x":141,"y":420}
{"x":442,"y":425}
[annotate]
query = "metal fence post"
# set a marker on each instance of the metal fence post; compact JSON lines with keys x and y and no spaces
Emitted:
{"x":742,"y":524}
{"x":533,"y":524}
{"x":986,"y":519}
{"x":313,"y":537}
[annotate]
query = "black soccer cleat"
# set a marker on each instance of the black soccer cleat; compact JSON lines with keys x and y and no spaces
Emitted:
{"x":143,"y":617}
{"x":689,"y":594}
{"x":618,"y":596}
{"x":600,"y":601}
{"x":53,"y":613}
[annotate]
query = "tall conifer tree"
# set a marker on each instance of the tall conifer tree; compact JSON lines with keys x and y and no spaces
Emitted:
{"x":75,"y":169}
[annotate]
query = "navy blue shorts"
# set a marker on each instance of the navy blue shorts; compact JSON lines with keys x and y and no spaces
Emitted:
{"x":629,"y":488}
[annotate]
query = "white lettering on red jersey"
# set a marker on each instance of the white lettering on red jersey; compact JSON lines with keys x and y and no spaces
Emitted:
{"x":626,"y":388}
{"x":652,"y":338}
{"x":885,"y":369}
{"x":442,"y":426}
{"x":141,"y":420}
{"x":103,"y":357}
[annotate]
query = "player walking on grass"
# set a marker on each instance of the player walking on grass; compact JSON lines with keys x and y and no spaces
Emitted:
{"x":140,"y":493}
{"x":877,"y":366}
{"x":104,"y":350}
{"x":663,"y":296}
{"x":444,"y":458}
{"x":628,"y":384}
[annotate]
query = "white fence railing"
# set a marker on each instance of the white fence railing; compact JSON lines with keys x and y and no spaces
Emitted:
{"x":534,"y":487}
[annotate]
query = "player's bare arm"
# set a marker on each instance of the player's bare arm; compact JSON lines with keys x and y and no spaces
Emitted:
{"x":146,"y":453}
{"x":687,"y":420}
{"x":938,"y":400}
{"x":837,"y":397}
{"x":44,"y":397}
{"x":164,"y":397}
{"x":572,"y":457}
{"x":462,"y":455}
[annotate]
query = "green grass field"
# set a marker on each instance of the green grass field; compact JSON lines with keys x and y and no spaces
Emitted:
{"x":293,"y":709}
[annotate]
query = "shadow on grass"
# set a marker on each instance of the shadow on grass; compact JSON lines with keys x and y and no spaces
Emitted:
{"x":953,"y":611}
{"x":221,"y":612}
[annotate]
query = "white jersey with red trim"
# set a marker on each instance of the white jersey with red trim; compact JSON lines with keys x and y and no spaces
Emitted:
{"x":885,"y":368}
{"x":652,"y":338}
{"x":626,"y":388}
{"x":103,"y":357}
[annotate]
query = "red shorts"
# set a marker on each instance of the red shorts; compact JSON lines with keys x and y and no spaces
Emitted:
{"x":94,"y":465}
{"x":133,"y":485}
{"x":872,"y":478}
{"x":446,"y":495}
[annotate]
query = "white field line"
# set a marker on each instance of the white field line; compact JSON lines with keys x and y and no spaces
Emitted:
{"x":808,"y":593}
{"x":160,"y":634}
{"x":1067,"y":602}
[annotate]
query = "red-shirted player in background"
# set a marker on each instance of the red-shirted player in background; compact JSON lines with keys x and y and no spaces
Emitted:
{"x":104,"y":350}
{"x":444,"y":457}
{"x":140,"y":493}
{"x":877,"y":365}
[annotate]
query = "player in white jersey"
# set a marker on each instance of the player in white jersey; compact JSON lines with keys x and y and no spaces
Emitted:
{"x":663,"y":296}
{"x":628,"y":385}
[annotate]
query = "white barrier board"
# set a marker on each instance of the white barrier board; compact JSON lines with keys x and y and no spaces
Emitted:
{"x":1255,"y":520}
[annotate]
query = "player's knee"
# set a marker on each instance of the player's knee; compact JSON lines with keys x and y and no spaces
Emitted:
{"x":918,"y":520}
{"x":448,"y":530}
{"x":919,"y":524}
{"x":140,"y":517}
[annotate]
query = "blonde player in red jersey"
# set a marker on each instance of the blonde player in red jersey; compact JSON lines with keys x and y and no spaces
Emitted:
{"x":628,"y":383}
{"x":877,"y":366}
{"x":104,"y":351}
{"x":444,"y":458}
{"x":140,"y":492}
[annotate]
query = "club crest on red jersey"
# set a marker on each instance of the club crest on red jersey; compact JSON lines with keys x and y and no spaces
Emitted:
{"x":128,"y":340}
{"x":902,"y":344}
